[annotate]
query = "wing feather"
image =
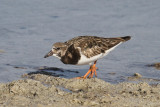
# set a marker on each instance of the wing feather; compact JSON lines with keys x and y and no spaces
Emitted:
{"x":92,"y":45}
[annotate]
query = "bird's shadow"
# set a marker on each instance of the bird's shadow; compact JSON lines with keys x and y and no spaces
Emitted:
{"x":52,"y":71}
{"x":45,"y":70}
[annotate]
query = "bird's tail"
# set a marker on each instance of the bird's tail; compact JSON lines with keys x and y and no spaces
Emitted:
{"x":126,"y":38}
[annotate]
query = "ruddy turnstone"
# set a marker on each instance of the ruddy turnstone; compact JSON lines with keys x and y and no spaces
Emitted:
{"x":84,"y":50}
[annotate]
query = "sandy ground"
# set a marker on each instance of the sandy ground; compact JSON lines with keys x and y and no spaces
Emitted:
{"x":39,"y":90}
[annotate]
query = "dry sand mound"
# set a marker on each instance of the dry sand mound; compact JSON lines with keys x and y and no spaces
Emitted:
{"x":39,"y":90}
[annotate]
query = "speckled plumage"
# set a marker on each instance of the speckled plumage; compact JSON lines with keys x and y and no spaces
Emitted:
{"x":72,"y":51}
{"x":93,"y":45}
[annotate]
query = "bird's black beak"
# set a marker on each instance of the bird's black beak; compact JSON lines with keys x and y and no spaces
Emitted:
{"x":48,"y":54}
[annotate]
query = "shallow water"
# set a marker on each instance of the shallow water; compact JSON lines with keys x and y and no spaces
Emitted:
{"x":29,"y":28}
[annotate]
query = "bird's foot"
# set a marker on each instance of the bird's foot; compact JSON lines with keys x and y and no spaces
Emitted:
{"x":85,"y":76}
{"x":90,"y":72}
{"x":79,"y":77}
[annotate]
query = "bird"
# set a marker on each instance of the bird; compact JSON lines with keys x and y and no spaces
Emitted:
{"x":85,"y":50}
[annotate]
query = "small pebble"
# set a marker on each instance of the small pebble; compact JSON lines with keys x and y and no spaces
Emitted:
{"x":137,"y":75}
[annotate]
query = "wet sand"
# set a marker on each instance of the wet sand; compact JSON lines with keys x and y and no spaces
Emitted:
{"x":39,"y":90}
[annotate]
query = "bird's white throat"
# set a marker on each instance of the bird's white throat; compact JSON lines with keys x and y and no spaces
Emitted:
{"x":55,"y":55}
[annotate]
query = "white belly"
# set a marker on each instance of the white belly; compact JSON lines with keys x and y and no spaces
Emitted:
{"x":85,"y":61}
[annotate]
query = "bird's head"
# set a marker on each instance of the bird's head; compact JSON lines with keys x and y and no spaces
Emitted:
{"x":58,"y":50}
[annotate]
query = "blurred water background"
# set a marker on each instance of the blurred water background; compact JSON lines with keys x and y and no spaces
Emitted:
{"x":28,"y":28}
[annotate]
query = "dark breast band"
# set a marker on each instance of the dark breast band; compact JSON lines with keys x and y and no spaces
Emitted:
{"x":72,"y":56}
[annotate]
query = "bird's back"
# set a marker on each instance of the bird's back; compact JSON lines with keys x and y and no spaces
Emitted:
{"x":93,"y":45}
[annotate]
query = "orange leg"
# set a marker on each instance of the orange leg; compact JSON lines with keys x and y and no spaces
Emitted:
{"x":92,"y":71}
{"x":93,"y":68}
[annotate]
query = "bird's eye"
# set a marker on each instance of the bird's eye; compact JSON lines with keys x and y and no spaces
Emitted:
{"x":58,"y":48}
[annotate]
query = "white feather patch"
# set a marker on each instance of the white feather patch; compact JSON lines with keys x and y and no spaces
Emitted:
{"x":85,"y":61}
{"x":55,"y":55}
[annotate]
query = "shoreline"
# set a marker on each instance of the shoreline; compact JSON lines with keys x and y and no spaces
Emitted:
{"x":44,"y":90}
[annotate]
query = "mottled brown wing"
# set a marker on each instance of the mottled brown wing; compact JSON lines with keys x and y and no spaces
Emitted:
{"x":76,"y":39}
{"x":92,"y":45}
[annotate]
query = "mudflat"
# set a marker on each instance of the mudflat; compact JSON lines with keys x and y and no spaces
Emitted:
{"x":39,"y":90}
